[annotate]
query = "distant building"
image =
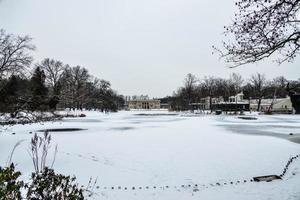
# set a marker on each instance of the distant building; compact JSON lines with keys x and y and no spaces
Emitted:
{"x":235,"y":103}
{"x":237,"y":98}
{"x":238,"y":103}
{"x":283,"y":106}
{"x":143,"y":102}
{"x":202,"y":104}
{"x":279,"y":105}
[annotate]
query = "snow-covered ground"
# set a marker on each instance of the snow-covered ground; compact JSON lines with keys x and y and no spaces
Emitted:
{"x":153,"y":156}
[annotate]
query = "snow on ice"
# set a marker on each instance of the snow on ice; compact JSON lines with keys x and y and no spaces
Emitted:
{"x":170,"y":157}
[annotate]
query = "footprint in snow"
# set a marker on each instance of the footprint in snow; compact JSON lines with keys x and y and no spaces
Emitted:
{"x":108,"y":162}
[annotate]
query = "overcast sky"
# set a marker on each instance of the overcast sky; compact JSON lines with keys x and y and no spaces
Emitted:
{"x":140,"y":46}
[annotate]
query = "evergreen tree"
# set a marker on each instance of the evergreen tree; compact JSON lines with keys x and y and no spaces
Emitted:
{"x":38,"y":90}
{"x":13,"y":93}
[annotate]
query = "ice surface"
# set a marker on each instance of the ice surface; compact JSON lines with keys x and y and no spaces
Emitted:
{"x":128,"y":150}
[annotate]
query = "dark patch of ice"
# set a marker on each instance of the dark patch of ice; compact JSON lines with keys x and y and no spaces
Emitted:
{"x":156,"y":114}
{"x":125,"y":128}
{"x":260,"y":130}
{"x":294,"y":138}
{"x":248,"y":118}
{"x":62,"y":129}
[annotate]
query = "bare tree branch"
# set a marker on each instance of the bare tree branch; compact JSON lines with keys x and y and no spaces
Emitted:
{"x":14,"y":53}
{"x":260,"y":29}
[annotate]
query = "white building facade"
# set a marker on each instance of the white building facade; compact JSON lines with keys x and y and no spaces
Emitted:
{"x":143,"y":103}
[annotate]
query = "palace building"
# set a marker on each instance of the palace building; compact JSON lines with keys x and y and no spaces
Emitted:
{"x":143,"y":102}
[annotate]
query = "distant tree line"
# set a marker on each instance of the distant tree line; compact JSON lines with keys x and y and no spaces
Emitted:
{"x":49,"y":84}
{"x":256,"y":87}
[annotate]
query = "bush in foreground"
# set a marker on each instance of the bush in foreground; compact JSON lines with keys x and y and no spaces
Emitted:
{"x":44,"y":185}
{"x":10,"y":186}
{"x":48,"y":185}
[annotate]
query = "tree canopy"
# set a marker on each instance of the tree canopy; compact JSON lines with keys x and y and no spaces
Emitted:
{"x":262,"y":28}
{"x":50,"y":85}
{"x":14,"y":53}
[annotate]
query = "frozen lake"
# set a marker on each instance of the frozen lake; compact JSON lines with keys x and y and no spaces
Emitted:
{"x":165,"y":150}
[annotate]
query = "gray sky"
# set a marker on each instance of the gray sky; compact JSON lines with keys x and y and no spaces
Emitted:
{"x":140,"y":46}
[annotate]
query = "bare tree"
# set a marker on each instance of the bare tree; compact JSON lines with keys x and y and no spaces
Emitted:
{"x":53,"y":70}
{"x":209,"y":86}
{"x":278,"y":84}
{"x":104,"y":85}
{"x":236,"y":81}
{"x":74,"y":88}
{"x":260,"y":29}
{"x":258,"y":84}
{"x":14,"y":53}
{"x":221,"y":88}
{"x":190,"y":82}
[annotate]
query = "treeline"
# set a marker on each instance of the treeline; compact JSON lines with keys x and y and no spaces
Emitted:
{"x":49,"y":84}
{"x":256,"y":87}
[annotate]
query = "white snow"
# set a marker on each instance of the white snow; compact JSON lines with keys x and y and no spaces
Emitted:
{"x":128,"y":150}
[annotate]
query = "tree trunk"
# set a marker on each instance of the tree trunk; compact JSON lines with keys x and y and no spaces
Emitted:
{"x":210,"y":104}
{"x":258,"y":104}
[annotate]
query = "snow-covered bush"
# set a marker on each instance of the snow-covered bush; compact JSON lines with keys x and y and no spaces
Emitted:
{"x":46,"y":185}
{"x":49,"y":185}
{"x":44,"y":182}
{"x":10,"y":185}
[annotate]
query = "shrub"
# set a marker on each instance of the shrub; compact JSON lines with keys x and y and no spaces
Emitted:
{"x":48,"y":185}
{"x":44,"y":183}
{"x":10,"y":186}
